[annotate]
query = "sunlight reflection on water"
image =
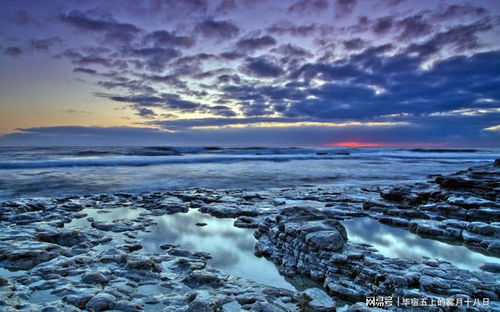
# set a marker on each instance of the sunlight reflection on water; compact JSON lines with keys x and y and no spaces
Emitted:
{"x":400,"y":243}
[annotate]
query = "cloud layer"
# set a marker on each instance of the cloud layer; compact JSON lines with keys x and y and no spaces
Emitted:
{"x":288,"y":69}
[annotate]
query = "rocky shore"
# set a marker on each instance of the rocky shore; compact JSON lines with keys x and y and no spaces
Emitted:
{"x":49,"y":264}
{"x":461,"y":207}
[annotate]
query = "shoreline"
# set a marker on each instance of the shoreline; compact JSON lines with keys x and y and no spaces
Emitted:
{"x":102,"y":265}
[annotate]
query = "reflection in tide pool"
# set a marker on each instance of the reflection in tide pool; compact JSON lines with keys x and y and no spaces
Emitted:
{"x":400,"y":243}
{"x":231,"y":248}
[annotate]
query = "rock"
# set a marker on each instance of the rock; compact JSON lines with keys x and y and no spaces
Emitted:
{"x":325,"y":240}
{"x":491,"y":267}
{"x":201,"y":224}
{"x":246,"y":222}
{"x":142,"y":263}
{"x":469,"y":202}
{"x":94,"y":278}
{"x":127,"y":306}
{"x":315,"y":300}
{"x":101,"y":302}
{"x":79,"y":299}
{"x":204,"y":302}
{"x":203,"y":277}
{"x":3,"y":281}
{"x":27,"y":256}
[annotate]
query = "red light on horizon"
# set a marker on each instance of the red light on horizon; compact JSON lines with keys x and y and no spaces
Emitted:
{"x":374,"y":144}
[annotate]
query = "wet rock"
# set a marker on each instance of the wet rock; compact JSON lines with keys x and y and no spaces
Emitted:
{"x":63,"y":237}
{"x":204,"y":277}
{"x":202,"y":301}
{"x":142,"y":263}
{"x":228,"y":212}
{"x":491,"y":267}
{"x":94,"y":278}
{"x":246,"y":222}
{"x":27,"y":256}
{"x":101,"y":302}
{"x":462,"y":197}
{"x":79,"y":299}
{"x":356,"y":271}
{"x":117,"y":226}
{"x":315,"y":300}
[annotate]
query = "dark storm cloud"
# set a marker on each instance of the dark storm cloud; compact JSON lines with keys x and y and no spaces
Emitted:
{"x":13,"y":51}
{"x":163,"y":38}
{"x":261,"y":67}
{"x":217,"y":29}
{"x":252,"y":44}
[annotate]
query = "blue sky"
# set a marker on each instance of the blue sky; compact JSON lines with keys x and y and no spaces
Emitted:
{"x":241,"y":72}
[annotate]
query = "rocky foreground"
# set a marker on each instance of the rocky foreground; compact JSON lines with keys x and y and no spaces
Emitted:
{"x":47,"y":264}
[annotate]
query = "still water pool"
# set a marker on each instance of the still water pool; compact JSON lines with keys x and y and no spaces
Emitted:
{"x":396,"y":242}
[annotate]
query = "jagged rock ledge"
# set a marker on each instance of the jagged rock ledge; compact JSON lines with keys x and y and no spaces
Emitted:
{"x":312,"y":243}
{"x":462,"y":207}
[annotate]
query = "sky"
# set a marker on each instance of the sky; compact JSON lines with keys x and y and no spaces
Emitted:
{"x":250,"y":72}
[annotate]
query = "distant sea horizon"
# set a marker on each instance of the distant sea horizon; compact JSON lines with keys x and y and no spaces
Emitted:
{"x":60,"y":171}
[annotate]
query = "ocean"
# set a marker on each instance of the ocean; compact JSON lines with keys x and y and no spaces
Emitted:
{"x":61,"y":171}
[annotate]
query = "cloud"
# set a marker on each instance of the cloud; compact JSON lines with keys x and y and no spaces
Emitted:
{"x":85,"y":70}
{"x":413,"y":27}
{"x":163,"y":38}
{"x":308,"y":5}
{"x":430,"y":132}
{"x":93,"y":21}
{"x":261,"y":67}
{"x":155,"y":59}
{"x":460,"y":10}
{"x":459,"y":39}
{"x":288,"y":28}
{"x":252,"y":44}
{"x":354,"y":44}
{"x":226,"y":5}
{"x":145,"y":112}
{"x":344,"y":7}
{"x":383,"y":25}
{"x":44,"y":44}
{"x":13,"y":51}
{"x":217,"y":29}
